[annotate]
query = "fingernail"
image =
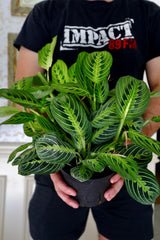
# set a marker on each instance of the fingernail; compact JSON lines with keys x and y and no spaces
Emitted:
{"x":112,"y":181}
{"x":75,"y":206}
{"x":108,"y":197}
{"x":73,"y":194}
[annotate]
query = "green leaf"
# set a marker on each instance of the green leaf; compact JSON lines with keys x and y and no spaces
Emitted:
{"x":132,"y":97}
{"x":71,"y":116}
{"x":144,"y":141}
{"x":25,"y":156}
{"x":145,"y":189}
{"x":112,"y":93}
{"x":53,"y":150}
{"x":45,"y":55}
{"x":19,"y":118}
{"x":40,"y":80}
{"x":106,"y":115}
{"x":19,"y":149}
{"x":20,"y":97}
{"x":8,"y":110}
{"x":38,"y":167}
{"x":73,"y":88}
{"x":141,"y":155}
{"x":32,"y":128}
{"x":96,"y":66}
{"x":23,"y":84}
{"x":81,"y":173}
{"x":60,"y":72}
{"x":45,"y":124}
{"x":41,"y":91}
{"x":136,"y":124}
{"x":124,"y":166}
{"x":156,"y":119}
{"x":101,"y":91}
{"x":155,"y":94}
{"x":79,"y":74}
{"x":96,"y":165}
{"x":104,"y":134}
{"x":72,"y":73}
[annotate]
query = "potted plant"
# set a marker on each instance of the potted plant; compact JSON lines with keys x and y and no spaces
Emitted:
{"x":79,"y":126}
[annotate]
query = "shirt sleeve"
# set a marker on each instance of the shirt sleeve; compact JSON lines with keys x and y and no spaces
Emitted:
{"x":35,"y":32}
{"x":154,"y":35}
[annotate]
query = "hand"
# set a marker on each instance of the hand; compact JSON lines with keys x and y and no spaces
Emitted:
{"x":63,"y":190}
{"x":117,"y":183}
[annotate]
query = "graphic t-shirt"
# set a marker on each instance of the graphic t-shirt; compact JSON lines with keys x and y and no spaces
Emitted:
{"x":128,"y":29}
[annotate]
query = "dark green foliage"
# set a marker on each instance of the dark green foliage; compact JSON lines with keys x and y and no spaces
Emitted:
{"x":75,"y":120}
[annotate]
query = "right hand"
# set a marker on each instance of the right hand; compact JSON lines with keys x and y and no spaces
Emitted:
{"x":63,"y":190}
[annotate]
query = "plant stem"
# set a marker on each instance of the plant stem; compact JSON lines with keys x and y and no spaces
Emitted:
{"x":119,"y":129}
{"x":48,"y":76}
{"x":49,"y":114}
{"x":146,"y":123}
{"x":84,"y":105}
{"x":43,"y":79}
{"x":36,"y":113}
{"x":94,"y":98}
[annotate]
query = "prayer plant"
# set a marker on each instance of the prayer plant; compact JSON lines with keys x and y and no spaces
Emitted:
{"x":75,"y":120}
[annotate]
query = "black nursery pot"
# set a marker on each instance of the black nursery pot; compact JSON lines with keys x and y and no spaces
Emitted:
{"x":91,"y":192}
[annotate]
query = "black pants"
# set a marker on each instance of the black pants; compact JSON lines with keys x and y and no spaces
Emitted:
{"x":121,"y":219}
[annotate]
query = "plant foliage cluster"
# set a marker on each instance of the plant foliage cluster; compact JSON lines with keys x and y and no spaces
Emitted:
{"x":75,"y":120}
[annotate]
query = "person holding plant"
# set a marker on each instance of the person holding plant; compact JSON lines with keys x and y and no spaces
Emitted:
{"x":129,"y":30}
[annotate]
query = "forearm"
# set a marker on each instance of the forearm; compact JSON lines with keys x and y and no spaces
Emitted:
{"x":153,"y":110}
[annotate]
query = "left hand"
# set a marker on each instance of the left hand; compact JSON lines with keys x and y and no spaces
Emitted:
{"x":117,"y":183}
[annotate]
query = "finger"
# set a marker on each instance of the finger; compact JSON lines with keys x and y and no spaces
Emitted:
{"x":68,"y":200}
{"x":115,"y":178}
{"x":60,"y":185}
{"x":114,"y":189}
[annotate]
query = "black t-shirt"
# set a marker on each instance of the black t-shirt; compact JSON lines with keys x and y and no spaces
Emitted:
{"x":128,"y":29}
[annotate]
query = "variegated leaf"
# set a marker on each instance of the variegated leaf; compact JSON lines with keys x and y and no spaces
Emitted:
{"x":72,"y":73}
{"x":96,"y":66}
{"x":17,"y":150}
{"x":53,"y":150}
{"x":136,"y":124}
{"x":71,"y":116}
{"x":105,"y":134}
{"x":73,"y":88}
{"x":23,"y":84}
{"x":81,"y":79}
{"x":8,"y":110}
{"x":106,"y":115}
{"x":81,"y":173}
{"x":145,"y":142}
{"x":38,"y":167}
{"x":60,"y":72}
{"x":19,"y":118}
{"x":41,"y":91}
{"x":141,"y":155}
{"x":145,"y":189}
{"x":20,"y":97}
{"x":132,"y":97}
{"x":96,"y":165}
{"x":124,"y":166}
{"x":45,"y":55}
{"x":101,"y":91}
{"x":25,"y":156}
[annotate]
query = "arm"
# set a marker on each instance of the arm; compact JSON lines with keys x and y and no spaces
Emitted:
{"x":153,"y":78}
{"x":27,"y":65}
